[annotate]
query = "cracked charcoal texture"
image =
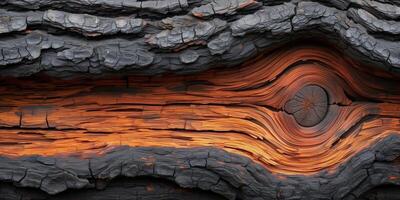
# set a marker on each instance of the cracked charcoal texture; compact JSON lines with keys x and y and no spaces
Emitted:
{"x":120,"y":188}
{"x":222,"y":174}
{"x":76,"y":37}
{"x":68,"y":38}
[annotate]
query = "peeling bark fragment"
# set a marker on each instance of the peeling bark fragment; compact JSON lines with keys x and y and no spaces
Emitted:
{"x":221,"y":43}
{"x":11,"y":24}
{"x":387,"y":9}
{"x":92,"y":25}
{"x":188,"y":56}
{"x":93,"y":6}
{"x":76,"y":55}
{"x":274,"y":19}
{"x":374,"y":24}
{"x":192,"y":31}
{"x":224,"y":7}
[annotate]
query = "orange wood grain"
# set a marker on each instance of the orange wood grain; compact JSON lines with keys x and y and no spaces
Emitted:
{"x":236,"y":109}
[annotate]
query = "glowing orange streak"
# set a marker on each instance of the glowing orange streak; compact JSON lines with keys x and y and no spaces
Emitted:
{"x":275,"y":161}
{"x":284,"y":155}
{"x":240,"y":123}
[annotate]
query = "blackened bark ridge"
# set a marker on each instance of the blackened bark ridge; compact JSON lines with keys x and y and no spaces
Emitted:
{"x":67,"y":38}
{"x":153,"y":37}
{"x":229,"y":175}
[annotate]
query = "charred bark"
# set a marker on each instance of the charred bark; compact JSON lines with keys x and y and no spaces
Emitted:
{"x":182,"y":99}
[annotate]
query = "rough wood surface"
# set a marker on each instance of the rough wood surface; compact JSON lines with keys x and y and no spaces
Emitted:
{"x":190,"y":99}
{"x":239,"y":110}
{"x":120,"y":188}
{"x":63,"y":38}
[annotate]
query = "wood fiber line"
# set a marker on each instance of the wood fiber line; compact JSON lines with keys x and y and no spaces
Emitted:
{"x":241,"y":110}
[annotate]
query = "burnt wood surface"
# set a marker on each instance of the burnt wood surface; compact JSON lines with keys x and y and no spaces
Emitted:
{"x":181,"y":36}
{"x":190,"y":99}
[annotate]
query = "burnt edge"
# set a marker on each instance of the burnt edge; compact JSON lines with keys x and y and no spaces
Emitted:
{"x":229,"y":175}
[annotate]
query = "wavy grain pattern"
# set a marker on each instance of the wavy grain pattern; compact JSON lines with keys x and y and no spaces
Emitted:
{"x":242,"y":110}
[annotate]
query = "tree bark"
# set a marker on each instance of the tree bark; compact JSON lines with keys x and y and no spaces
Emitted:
{"x":193,"y":99}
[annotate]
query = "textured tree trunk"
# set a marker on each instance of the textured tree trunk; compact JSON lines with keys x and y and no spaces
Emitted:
{"x":190,"y":99}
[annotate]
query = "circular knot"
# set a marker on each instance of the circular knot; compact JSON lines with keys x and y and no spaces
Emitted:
{"x":308,"y":106}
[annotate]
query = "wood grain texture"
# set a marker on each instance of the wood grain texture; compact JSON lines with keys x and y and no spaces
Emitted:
{"x":241,"y":110}
{"x":105,"y":110}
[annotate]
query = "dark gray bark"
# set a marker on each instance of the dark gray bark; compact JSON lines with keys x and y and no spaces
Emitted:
{"x":153,"y":37}
{"x":213,"y":170}
{"x":67,"y":38}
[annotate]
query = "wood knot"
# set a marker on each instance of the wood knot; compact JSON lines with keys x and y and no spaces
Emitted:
{"x":308,"y":106}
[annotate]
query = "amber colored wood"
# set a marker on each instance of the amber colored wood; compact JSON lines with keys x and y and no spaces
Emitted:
{"x":241,"y":110}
